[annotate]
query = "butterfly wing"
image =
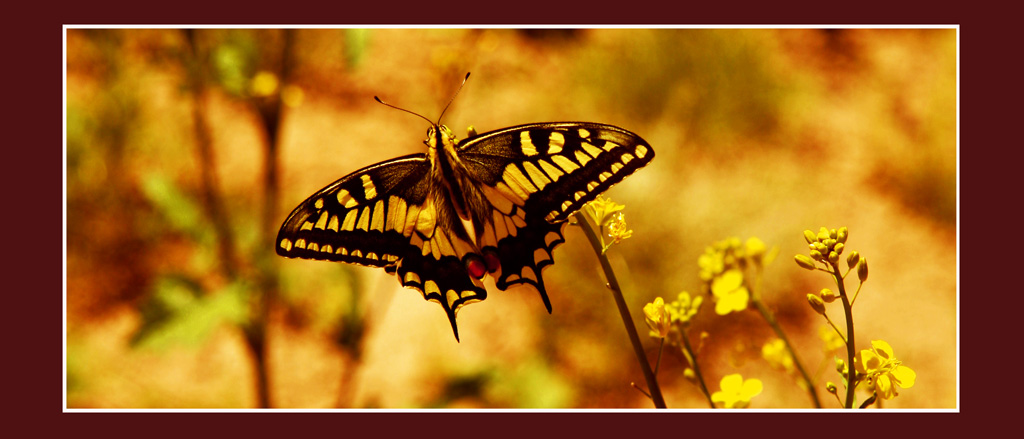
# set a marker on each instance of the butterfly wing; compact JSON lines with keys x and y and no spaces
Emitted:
{"x":534,"y":176}
{"x":386,"y":215}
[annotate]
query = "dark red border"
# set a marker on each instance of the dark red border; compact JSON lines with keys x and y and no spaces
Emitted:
{"x":34,"y":183}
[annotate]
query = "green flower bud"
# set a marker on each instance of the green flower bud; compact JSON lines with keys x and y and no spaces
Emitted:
{"x":843,"y":234}
{"x":840,"y":365}
{"x":853,"y":259}
{"x":816,"y":303}
{"x":810,"y":237}
{"x":831,"y":387}
{"x":833,"y":257}
{"x":862,"y":270}
{"x":827,"y":295}
{"x":839,"y":248}
{"x":816,"y":255}
{"x":833,"y":233}
{"x":805,"y":262}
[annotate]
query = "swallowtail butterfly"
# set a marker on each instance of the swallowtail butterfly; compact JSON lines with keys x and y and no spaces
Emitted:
{"x":493,"y":203}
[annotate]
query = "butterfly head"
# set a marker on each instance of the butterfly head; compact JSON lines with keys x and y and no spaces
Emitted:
{"x":440,"y":135}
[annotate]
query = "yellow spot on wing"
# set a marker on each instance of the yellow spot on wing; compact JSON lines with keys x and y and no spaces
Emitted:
{"x":411,"y":216}
{"x":333,"y":223}
{"x":584,"y":133}
{"x":555,"y":142}
{"x":498,"y":200}
{"x":451,"y":296}
{"x":518,"y":182}
{"x":300,"y":243}
{"x":306,"y":226}
{"x":608,"y":146}
{"x":377,"y":222}
{"x":616,"y":167}
{"x":427,"y":219}
{"x":286,"y":244}
{"x":538,"y":177}
{"x":626,"y":158}
{"x":582,"y":157}
{"x":411,"y":277}
{"x":604,"y":176}
{"x":319,"y":203}
{"x":368,"y":187}
{"x":550,"y":169}
{"x":322,"y":221}
{"x":327,"y":248}
{"x":364,"y":219}
{"x":528,"y":148}
{"x":345,"y":199}
{"x":313,"y":247}
{"x":507,"y":192}
{"x":641,"y":151}
{"x":591,"y":149}
{"x":396,"y":214}
{"x":565,"y":163}
{"x":349,"y":223}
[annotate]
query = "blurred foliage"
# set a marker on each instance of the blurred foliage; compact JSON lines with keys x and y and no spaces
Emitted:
{"x":180,"y":312}
{"x":719,"y":85}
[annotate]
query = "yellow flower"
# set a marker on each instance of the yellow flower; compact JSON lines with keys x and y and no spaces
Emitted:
{"x":617,"y":229}
{"x":737,"y":392}
{"x":883,"y":371}
{"x":729,"y":292}
{"x":657,"y":318}
{"x":601,"y":209}
{"x":776,"y":354}
{"x":684,"y":308}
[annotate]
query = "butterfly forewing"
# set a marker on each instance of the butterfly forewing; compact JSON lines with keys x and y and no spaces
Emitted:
{"x":552,"y":169}
{"x":364,"y":218}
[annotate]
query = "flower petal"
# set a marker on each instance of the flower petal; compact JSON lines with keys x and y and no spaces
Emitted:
{"x":904,"y":376}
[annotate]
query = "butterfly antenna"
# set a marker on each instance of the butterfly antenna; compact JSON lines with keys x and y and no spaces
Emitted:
{"x":453,"y":97}
{"x":402,"y":109}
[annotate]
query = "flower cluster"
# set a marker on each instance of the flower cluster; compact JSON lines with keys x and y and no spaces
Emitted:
{"x":883,"y":373}
{"x":609,"y":217}
{"x":722,"y":269}
{"x":777,"y":355}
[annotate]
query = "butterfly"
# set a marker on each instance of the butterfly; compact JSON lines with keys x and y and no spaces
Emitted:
{"x":490,"y":204}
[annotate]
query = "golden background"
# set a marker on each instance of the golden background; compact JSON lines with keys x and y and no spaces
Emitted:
{"x":176,"y":141}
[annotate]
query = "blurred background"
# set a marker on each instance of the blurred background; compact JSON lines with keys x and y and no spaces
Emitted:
{"x":186,"y":150}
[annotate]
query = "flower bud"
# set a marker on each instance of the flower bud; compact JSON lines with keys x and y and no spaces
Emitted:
{"x":817,"y":256}
{"x":853,"y":259}
{"x":804,"y":261}
{"x":816,"y":303}
{"x":810,"y":237}
{"x":690,"y":375}
{"x":833,"y":233}
{"x":833,"y":257}
{"x":839,"y":248}
{"x":831,"y":387}
{"x":840,"y":365}
{"x":862,"y":270}
{"x":827,"y":295}
{"x":822,"y":234}
{"x":843,"y":234}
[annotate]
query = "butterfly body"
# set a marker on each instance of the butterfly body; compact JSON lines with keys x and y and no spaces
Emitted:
{"x":494,"y":203}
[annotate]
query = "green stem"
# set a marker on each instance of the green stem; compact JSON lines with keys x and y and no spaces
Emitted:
{"x":851,"y":374}
{"x":627,"y":319}
{"x":692,"y":356}
{"x":789,"y":347}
